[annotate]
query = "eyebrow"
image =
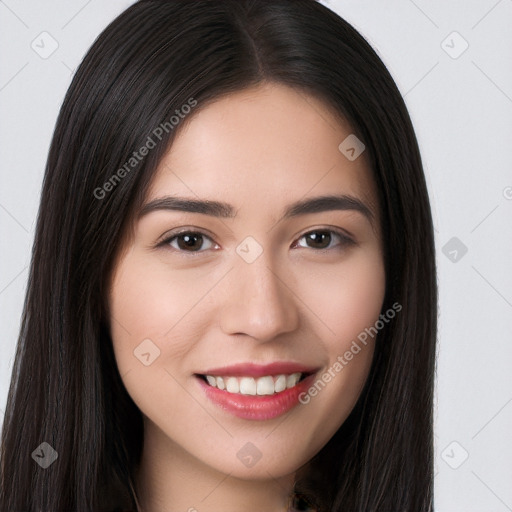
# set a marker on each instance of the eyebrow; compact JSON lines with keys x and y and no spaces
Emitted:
{"x":225,"y":210}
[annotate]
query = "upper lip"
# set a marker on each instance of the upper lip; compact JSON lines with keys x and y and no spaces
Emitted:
{"x":259,"y":370}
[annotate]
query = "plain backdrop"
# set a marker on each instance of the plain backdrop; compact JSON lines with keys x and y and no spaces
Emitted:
{"x":452,"y":61}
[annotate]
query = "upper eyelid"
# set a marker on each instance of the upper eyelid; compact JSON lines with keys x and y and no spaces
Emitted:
{"x":170,"y":235}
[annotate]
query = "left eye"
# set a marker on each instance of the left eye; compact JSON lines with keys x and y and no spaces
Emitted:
{"x":322,"y":238}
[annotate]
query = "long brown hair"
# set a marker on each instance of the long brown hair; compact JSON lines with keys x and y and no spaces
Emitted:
{"x":66,"y":389}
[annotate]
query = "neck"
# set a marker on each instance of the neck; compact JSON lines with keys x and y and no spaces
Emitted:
{"x":170,"y":479}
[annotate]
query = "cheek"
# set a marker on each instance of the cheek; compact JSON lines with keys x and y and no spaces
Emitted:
{"x":350,"y":302}
{"x":152,"y":333}
{"x":347,"y":298}
{"x":147,"y":302}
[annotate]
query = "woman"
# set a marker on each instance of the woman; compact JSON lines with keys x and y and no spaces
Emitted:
{"x":190,"y":341}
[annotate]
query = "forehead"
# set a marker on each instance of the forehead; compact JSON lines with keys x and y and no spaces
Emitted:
{"x":268,"y":145}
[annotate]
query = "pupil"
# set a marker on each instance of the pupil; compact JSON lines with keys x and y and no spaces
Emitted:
{"x":319,"y":237}
{"x":189,"y":241}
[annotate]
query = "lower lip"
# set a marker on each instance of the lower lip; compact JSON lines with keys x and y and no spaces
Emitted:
{"x":254,"y":407}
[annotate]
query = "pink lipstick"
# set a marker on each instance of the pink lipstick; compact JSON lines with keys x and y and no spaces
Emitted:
{"x":256,"y":392}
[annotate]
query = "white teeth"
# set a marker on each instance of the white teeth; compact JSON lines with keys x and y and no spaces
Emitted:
{"x":267,"y":385}
{"x":292,"y":379}
{"x":232,"y":385}
{"x":247,"y":386}
{"x":280,"y":384}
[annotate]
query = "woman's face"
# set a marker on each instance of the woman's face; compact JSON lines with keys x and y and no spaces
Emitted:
{"x":265,"y":289}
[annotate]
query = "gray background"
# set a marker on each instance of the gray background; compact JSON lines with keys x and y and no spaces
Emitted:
{"x":461,"y":106}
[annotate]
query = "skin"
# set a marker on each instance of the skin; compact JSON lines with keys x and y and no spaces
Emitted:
{"x":259,"y":150}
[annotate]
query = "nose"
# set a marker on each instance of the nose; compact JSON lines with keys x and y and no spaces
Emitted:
{"x":258,"y":301}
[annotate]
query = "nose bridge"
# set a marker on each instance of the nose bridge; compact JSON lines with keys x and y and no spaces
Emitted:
{"x":259,"y":302}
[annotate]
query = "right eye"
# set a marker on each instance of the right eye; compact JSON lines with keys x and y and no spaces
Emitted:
{"x":189,"y":241}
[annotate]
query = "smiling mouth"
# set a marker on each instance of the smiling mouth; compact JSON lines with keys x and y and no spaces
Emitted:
{"x":266,"y":385}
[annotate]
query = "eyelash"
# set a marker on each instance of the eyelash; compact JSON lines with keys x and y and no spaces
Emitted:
{"x":345,"y":241}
